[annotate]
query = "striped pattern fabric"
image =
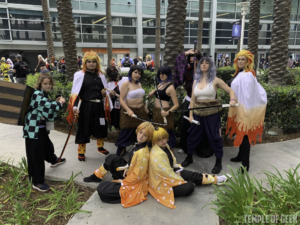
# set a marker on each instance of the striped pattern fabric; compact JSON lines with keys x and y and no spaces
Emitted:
{"x":14,"y":102}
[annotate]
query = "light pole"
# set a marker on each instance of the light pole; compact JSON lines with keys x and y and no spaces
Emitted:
{"x":244,"y":9}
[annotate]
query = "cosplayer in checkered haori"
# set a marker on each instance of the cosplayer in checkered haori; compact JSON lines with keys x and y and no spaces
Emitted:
{"x":89,"y":85}
{"x":40,"y":115}
{"x":247,"y":120}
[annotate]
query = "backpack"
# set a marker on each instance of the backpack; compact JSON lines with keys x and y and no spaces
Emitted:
{"x":24,"y":69}
{"x":127,"y":62}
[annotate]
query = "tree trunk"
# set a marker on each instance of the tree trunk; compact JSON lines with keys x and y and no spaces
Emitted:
{"x":157,"y":36}
{"x":67,"y":29}
{"x":174,"y":40}
{"x":109,"y":31}
{"x":254,"y":29}
{"x":280,"y":41}
{"x":48,"y":29}
{"x":200,"y":25}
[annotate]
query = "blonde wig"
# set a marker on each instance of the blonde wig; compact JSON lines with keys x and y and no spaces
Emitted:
{"x":91,"y":56}
{"x":149,"y":128}
{"x":159,"y":133}
{"x":250,"y":62}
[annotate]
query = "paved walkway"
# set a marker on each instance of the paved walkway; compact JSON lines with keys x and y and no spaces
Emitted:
{"x":282,"y":155}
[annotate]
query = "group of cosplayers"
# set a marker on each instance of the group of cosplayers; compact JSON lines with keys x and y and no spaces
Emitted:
{"x":94,"y":102}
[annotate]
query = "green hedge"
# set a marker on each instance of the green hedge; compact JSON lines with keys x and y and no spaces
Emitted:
{"x":283,"y":109}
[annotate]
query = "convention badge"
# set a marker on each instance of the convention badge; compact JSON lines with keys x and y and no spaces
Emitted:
{"x":102,"y":121}
{"x":117,"y":104}
{"x":49,"y":125}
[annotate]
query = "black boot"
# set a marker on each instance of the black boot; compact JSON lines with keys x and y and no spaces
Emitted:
{"x":218,"y":166}
{"x":188,"y":160}
{"x":245,"y":154}
{"x":238,"y":158}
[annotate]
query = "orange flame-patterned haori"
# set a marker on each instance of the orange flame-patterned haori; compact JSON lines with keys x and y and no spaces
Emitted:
{"x":248,"y":117}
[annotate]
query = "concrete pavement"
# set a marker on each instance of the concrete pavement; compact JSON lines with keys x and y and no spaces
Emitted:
{"x":282,"y":155}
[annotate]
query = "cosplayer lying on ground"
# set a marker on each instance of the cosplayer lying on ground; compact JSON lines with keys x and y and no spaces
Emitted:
{"x":89,"y":86}
{"x":166,"y":178}
{"x":166,"y":92}
{"x":247,"y":120}
{"x":204,"y":94}
{"x":130,"y":187}
{"x":132,"y":102}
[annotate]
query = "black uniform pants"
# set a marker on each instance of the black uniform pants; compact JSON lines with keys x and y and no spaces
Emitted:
{"x":37,"y":151}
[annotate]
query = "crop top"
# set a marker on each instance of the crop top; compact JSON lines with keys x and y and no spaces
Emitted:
{"x":209,"y":92}
{"x":162,"y":94}
{"x":136,"y":93}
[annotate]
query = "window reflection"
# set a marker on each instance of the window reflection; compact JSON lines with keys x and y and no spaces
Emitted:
{"x":28,"y":35}
{"x":4,"y":35}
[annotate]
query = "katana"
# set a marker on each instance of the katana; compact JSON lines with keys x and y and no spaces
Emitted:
{"x":193,"y":121}
{"x":161,"y":107}
{"x":155,"y":123}
{"x":206,"y":107}
{"x":70,"y":132}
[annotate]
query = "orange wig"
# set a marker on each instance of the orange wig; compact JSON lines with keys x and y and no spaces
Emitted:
{"x":250,"y":62}
{"x":91,"y":56}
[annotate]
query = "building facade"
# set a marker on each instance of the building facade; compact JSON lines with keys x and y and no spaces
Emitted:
{"x":133,"y":27}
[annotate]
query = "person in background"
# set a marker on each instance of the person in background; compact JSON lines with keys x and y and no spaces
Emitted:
{"x":149,"y":63}
{"x":39,"y":147}
{"x":4,"y":69}
{"x":20,"y":70}
{"x":41,"y":64}
{"x":127,"y":61}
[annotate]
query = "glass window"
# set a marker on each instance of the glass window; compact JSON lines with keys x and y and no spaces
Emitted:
{"x":2,"y":0}
{"x":124,"y":30}
{"x":123,"y":8}
{"x":95,"y":29}
{"x":28,"y":35}
{"x":30,"y":2}
{"x":193,"y":8}
{"x":3,"y":13}
{"x":151,"y":39}
{"x":57,"y":37}
{"x":25,"y":14}
{"x":4,"y":23}
{"x":94,"y":38}
{"x":27,"y":25}
{"x":151,"y":31}
{"x":124,"y":39}
{"x":92,"y":6}
{"x":4,"y":35}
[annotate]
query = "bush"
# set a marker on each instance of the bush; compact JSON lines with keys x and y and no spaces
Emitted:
{"x":225,"y":73}
{"x":244,"y":195}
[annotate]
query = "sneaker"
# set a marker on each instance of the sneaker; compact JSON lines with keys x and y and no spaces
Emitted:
{"x":41,"y":187}
{"x":103,"y":151}
{"x":81,"y":157}
{"x":92,"y":178}
{"x":180,"y":151}
{"x":57,"y":163}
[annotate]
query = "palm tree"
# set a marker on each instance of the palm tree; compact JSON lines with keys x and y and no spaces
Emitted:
{"x":200,"y":25}
{"x":253,"y":30}
{"x":157,"y":35}
{"x":108,"y":30}
{"x":174,"y":40}
{"x":67,"y":30}
{"x":48,"y":29}
{"x":280,"y":41}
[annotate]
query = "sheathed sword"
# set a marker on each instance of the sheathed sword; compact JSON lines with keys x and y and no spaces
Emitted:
{"x":70,"y":132}
{"x":161,"y":107}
